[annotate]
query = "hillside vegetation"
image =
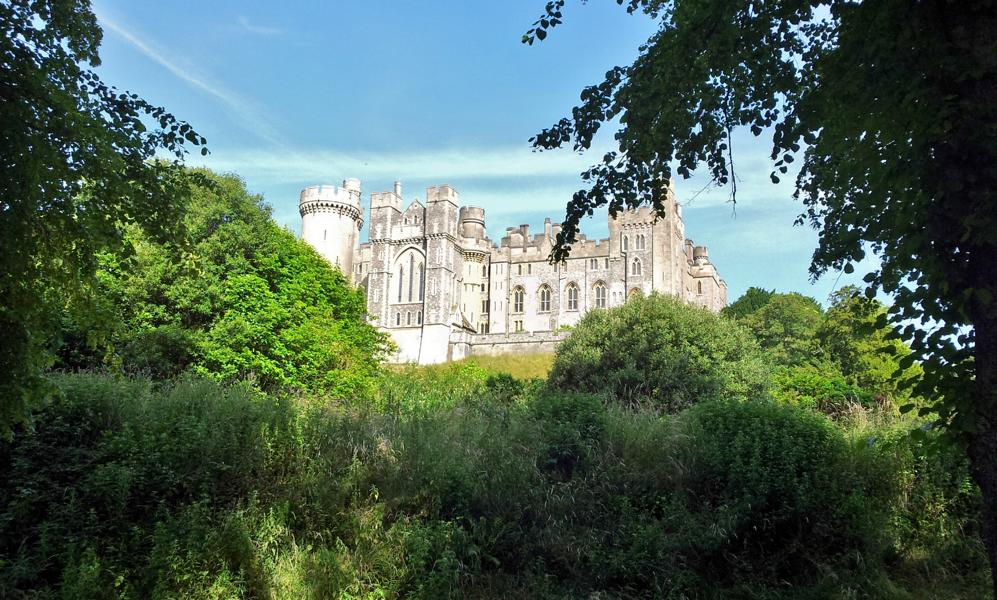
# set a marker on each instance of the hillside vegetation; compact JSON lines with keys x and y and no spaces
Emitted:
{"x":235,"y":436}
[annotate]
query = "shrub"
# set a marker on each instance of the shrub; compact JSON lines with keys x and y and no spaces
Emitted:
{"x":661,"y":351}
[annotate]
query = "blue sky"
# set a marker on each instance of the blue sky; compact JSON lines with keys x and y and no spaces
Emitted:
{"x":300,"y":93}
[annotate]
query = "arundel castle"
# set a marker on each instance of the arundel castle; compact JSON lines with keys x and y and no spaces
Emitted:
{"x":443,"y":290}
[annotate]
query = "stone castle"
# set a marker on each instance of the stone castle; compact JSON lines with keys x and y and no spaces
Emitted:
{"x":443,"y":290}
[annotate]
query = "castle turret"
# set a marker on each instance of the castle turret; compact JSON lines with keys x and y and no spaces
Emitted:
{"x":472,"y":222}
{"x":331,"y":219}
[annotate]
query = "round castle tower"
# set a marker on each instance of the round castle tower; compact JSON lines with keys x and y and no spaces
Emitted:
{"x":331,"y":219}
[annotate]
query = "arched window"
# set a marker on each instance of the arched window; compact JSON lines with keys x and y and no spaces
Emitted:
{"x":398,"y":318}
{"x":626,"y":244}
{"x":411,"y":271}
{"x":600,"y":294}
{"x":408,"y":318}
{"x":699,"y":287}
{"x":544,"y":298}
{"x":418,"y":318}
{"x":517,"y":300}
{"x":635,"y":268}
{"x":572,"y":296}
{"x":640,"y":241}
{"x":594,"y":263}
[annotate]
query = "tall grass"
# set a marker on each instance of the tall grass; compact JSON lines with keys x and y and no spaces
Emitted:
{"x":453,"y":485}
{"x":520,"y":366}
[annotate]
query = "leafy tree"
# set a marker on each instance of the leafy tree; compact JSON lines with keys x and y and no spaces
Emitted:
{"x":75,"y":166}
{"x":245,"y":299}
{"x":892,"y":107}
{"x":661,"y":351}
{"x":753,"y":299}
{"x":867,"y":356}
{"x":785,"y":328}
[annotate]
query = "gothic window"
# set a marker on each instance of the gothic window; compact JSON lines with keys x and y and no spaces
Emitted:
{"x":626,"y":244}
{"x":544,"y":298}
{"x":635,"y":268}
{"x":519,"y":269}
{"x":398,"y":318}
{"x":572,"y":296}
{"x":422,"y":282}
{"x":594,"y":263}
{"x":640,"y":241}
{"x":418,"y":318}
{"x":408,"y":318}
{"x":401,"y":281}
{"x":484,"y":306}
{"x":699,"y":285}
{"x":600,"y":294}
{"x":517,"y":300}
{"x":518,"y":325}
{"x":484,"y":271}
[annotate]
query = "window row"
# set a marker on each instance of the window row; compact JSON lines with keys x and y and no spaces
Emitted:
{"x":408,"y":318}
{"x":545,"y":296}
{"x":640,"y":242}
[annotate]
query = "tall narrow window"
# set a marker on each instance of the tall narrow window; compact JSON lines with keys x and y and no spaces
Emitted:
{"x":594,"y":263}
{"x":411,"y":270}
{"x":572,"y":296}
{"x":408,"y":318}
{"x":529,"y":269}
{"x":519,"y":269}
{"x":517,"y":300}
{"x":635,"y":267}
{"x":422,"y":281}
{"x":398,"y":318}
{"x":544,"y":298}
{"x":699,"y":287}
{"x":626,"y":244}
{"x":600,"y":295}
{"x":325,"y":233}
{"x":418,"y":318}
{"x":401,"y":282}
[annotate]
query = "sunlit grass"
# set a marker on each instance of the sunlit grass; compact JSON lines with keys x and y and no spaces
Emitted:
{"x":520,"y":366}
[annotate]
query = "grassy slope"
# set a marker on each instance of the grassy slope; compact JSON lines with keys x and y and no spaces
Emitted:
{"x":520,"y":366}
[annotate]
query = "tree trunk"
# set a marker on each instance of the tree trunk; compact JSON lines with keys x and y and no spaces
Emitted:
{"x":982,"y":444}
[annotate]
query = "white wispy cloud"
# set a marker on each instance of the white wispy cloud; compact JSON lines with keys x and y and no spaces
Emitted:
{"x":495,"y":169}
{"x":257,"y":29}
{"x":245,"y":112}
{"x":441,"y":164}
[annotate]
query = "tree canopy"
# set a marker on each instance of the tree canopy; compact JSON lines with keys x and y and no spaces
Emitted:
{"x":75,"y":167}
{"x":244,"y":299}
{"x":660,"y":351}
{"x":889,"y":106}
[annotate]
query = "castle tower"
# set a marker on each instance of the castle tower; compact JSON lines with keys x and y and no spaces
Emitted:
{"x":331,"y":219}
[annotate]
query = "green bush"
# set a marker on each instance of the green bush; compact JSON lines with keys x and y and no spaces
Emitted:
{"x":661,"y":352}
{"x":191,"y":489}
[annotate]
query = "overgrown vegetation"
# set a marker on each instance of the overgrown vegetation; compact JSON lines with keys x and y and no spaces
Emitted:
{"x":126,"y":487}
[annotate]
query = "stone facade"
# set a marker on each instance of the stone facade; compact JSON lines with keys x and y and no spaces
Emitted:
{"x":443,"y":290}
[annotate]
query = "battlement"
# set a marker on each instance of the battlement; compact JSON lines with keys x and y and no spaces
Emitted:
{"x":348,"y":194}
{"x":442,"y":193}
